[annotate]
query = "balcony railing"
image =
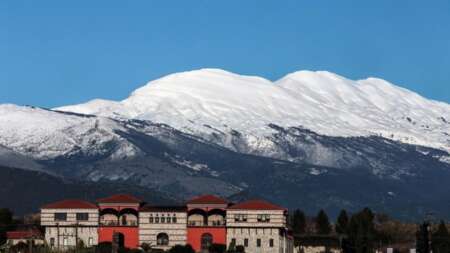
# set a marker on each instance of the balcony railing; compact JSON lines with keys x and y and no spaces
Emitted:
{"x":206,"y":224}
{"x":118,"y":224}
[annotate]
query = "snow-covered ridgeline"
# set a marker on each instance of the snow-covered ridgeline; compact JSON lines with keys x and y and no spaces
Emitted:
{"x":45,"y":134}
{"x":208,"y":100}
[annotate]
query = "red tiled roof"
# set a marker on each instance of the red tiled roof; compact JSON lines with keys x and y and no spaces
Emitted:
{"x":120,"y":198}
{"x":23,"y":234}
{"x":69,"y":204}
{"x":208,"y":199}
{"x":256,"y":205}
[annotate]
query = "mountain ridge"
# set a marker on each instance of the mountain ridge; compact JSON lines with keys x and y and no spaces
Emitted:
{"x":322,"y":101}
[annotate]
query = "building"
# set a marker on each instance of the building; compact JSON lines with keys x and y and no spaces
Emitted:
{"x":259,"y":226}
{"x":205,"y":220}
{"x":163,"y":226}
{"x":119,"y":215}
{"x":70,"y":222}
{"x":24,"y":236}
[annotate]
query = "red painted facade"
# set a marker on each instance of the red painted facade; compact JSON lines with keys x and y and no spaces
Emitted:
{"x":197,"y":232}
{"x":194,"y":236}
{"x":120,"y":204}
{"x":130,"y":234}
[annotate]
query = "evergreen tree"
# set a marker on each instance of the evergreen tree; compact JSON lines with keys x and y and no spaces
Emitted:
{"x":323,"y":226}
{"x":361,"y":233}
{"x":342,"y":223}
{"x":232,"y":247}
{"x":440,"y":240}
{"x":423,"y":239}
{"x":298,"y":222}
{"x":6,"y":223}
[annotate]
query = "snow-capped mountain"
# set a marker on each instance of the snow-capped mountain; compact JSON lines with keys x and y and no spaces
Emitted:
{"x":44,"y":134}
{"x":208,"y":101}
{"x":316,"y":134}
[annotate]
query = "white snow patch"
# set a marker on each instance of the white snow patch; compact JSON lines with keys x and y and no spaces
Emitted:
{"x":316,"y":171}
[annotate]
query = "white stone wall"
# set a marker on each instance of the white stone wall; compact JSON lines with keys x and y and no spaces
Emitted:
{"x":253,"y":234}
{"x":65,"y":237}
{"x":17,"y":241}
{"x":252,"y":229}
{"x":177,"y":232}
{"x":277,"y":218}
{"x":48,"y":217}
{"x":71,"y":228}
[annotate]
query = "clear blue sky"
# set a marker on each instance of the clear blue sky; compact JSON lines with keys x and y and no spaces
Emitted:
{"x":64,"y":52}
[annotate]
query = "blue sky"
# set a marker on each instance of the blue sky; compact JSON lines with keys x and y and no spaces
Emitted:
{"x":64,"y":52}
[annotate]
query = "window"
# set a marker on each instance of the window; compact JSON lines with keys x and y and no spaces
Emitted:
{"x":162,"y":239}
{"x":168,"y":220}
{"x":157,"y":220}
{"x":163,"y":219}
{"x":65,"y":241}
{"x":246,"y":242}
{"x":52,"y":242}
{"x":60,"y":216}
{"x":82,"y":216}
{"x":240,"y":218}
{"x":174,"y":219}
{"x":90,"y":241}
{"x":233,"y":241}
{"x":271,"y":243}
{"x":263,"y":218}
{"x":258,"y":243}
{"x":151,"y":219}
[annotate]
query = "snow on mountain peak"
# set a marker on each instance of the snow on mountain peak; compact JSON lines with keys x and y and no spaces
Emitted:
{"x":318,"y":100}
{"x":45,"y":134}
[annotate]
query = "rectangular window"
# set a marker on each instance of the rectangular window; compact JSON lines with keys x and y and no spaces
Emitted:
{"x":163,"y":219}
{"x":90,"y":241}
{"x":52,"y":242}
{"x":233,"y":241}
{"x":258,"y":243}
{"x":271,"y":243}
{"x":60,"y":216}
{"x":157,"y":220}
{"x":151,"y":219}
{"x":245,"y":242}
{"x":82,"y":216}
{"x":240,"y":218}
{"x":174,"y":219}
{"x":263,"y":218}
{"x":65,"y":241}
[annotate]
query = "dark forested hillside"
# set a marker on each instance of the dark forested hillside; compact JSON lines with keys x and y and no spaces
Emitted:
{"x":25,"y":191}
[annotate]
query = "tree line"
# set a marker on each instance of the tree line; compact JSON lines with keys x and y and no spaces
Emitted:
{"x":365,"y":231}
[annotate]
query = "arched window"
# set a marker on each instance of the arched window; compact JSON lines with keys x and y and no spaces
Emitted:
{"x":207,"y":240}
{"x":162,"y":239}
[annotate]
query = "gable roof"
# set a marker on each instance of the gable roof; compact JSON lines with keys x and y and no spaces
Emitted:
{"x":70,"y":204}
{"x":120,"y":198}
{"x":208,"y":199}
{"x":256,"y":205}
